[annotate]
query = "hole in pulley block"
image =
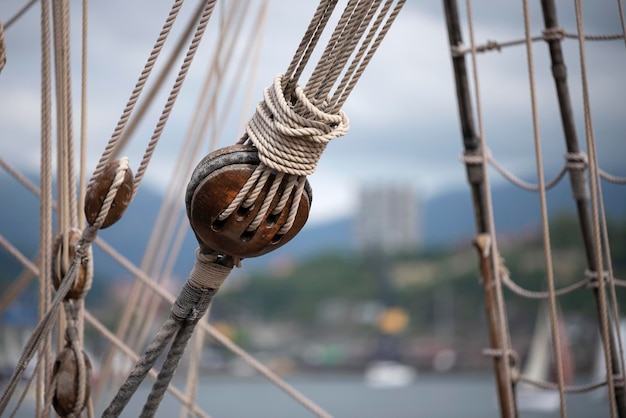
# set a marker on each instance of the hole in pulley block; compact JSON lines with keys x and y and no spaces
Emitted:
{"x":247,"y":235}
{"x":243,"y":212}
{"x":218,"y":225}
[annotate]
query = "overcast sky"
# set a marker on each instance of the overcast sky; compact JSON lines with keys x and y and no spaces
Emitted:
{"x":403,"y":114}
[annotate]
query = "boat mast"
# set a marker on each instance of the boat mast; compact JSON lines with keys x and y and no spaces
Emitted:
{"x":580,"y":189}
{"x":487,"y":254}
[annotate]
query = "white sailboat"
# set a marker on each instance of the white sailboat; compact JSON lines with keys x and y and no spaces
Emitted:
{"x":598,"y":373}
{"x":540,"y":366}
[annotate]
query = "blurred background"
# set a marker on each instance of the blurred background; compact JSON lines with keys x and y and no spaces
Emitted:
{"x":384,"y":270}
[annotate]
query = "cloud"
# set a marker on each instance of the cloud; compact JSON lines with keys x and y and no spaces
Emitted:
{"x":403,"y":111}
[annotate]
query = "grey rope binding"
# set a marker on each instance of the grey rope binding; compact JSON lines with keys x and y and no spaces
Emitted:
{"x":208,"y":274}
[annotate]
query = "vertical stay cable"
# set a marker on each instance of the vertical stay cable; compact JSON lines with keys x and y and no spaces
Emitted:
{"x":594,"y":180}
{"x":169,"y":105}
{"x":45,"y":205}
{"x":474,"y":147}
{"x":509,"y":399}
{"x":556,"y":344}
{"x":580,"y":188}
{"x":154,"y":54}
{"x":622,"y":19}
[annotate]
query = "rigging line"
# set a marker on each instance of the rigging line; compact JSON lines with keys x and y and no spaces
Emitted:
{"x":618,"y":363}
{"x":27,"y":386}
{"x":349,"y":46}
{"x":143,"y":325}
{"x":159,"y":82}
{"x":345,"y":92}
{"x":323,"y":65}
{"x":611,"y":283}
{"x":558,"y":33}
{"x":167,"y":296}
{"x":184,"y":168}
{"x":39,"y":335}
{"x":191,"y":52}
{"x":82,"y":186}
{"x":192,"y":302}
{"x":10,"y":294}
{"x":567,"y":388}
{"x":19,"y":14}
{"x":511,"y":177}
{"x":106,"y":333}
{"x":214,"y":333}
{"x":594,"y":180}
{"x":65,"y":140}
{"x":33,"y":269}
{"x":533,"y":294}
{"x":544,"y":215}
{"x":167,"y":370}
{"x":195,"y":356}
{"x":345,"y":45}
{"x":121,"y":124}
{"x":508,"y":397}
{"x":46,"y":201}
{"x":3,"y":48}
{"x":255,"y":46}
{"x":315,"y":29}
{"x":227,"y":42}
{"x":611,"y":178}
{"x":622,"y":19}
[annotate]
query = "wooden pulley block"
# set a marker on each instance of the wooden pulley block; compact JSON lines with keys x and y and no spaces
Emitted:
{"x":98,"y":190}
{"x":59,"y":267}
{"x":215,"y":183}
{"x":65,"y":375}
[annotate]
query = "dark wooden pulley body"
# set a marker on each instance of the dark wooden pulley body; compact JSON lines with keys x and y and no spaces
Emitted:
{"x":215,"y":183}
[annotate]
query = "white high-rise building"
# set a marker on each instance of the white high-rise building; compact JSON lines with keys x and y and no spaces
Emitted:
{"x":387,"y":218}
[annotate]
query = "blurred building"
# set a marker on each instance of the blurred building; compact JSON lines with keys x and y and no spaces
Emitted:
{"x":388,"y":218}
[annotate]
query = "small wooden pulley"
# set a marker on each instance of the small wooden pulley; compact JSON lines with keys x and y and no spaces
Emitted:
{"x":84,"y":273}
{"x":97,"y":193}
{"x":65,"y":372}
{"x":215,"y":183}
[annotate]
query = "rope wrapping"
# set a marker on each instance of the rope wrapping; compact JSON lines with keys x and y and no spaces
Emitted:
{"x":288,"y":141}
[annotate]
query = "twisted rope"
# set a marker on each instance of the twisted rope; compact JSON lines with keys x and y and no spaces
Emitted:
{"x":543,"y":384}
{"x":3,"y":48}
{"x":81,"y":256}
{"x":191,"y":304}
{"x":171,"y":100}
{"x":611,"y":178}
{"x":121,"y":124}
{"x":292,"y":126}
{"x":551,"y":34}
{"x":573,"y":161}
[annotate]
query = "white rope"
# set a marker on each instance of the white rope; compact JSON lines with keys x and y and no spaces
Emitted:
{"x":290,"y":142}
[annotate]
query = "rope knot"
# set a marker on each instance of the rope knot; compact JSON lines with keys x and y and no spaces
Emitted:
{"x":511,"y":354}
{"x":490,"y":45}
{"x":553,"y":34}
{"x":576,"y":160}
{"x":593,"y":279}
{"x":291,"y":137}
{"x":476,"y":158}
